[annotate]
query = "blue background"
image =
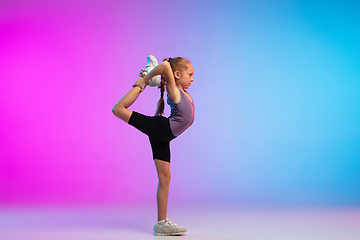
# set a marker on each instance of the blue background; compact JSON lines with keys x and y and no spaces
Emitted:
{"x":276,"y":93}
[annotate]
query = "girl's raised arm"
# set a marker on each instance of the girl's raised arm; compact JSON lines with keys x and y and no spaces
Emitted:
{"x":164,"y":68}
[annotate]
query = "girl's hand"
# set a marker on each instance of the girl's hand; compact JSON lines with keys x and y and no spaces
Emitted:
{"x":142,"y":73}
{"x":140,"y":83}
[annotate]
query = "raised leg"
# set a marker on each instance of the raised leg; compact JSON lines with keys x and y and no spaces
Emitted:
{"x":163,"y":171}
{"x":120,"y":109}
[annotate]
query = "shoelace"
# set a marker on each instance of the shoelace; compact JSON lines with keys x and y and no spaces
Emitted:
{"x":171,"y":223}
{"x":147,"y":68}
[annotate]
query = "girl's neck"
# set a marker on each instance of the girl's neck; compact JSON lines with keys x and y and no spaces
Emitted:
{"x":181,"y":88}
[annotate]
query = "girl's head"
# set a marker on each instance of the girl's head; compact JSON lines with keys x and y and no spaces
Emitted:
{"x":183,"y":73}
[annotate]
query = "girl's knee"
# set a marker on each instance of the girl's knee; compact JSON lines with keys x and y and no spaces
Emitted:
{"x":116,"y":110}
{"x":121,"y":112}
{"x":165,"y":179}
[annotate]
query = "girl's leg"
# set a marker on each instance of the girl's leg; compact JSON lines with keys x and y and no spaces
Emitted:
{"x":163,"y":170}
{"x":120,"y":109}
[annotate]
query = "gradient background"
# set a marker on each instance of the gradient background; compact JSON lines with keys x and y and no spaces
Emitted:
{"x":277,"y":96}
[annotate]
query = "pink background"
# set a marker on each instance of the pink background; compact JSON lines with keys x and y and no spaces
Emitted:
{"x":276,"y":93}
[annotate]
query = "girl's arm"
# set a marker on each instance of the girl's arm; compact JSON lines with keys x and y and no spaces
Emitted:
{"x":163,"y":68}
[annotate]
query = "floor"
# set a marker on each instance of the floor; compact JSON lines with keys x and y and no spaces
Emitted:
{"x":203,"y":223}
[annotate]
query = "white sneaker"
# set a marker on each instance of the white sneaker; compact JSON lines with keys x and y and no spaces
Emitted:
{"x":152,"y":63}
{"x":168,"y":228}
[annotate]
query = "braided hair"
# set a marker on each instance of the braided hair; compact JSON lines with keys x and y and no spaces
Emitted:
{"x":177,"y":64}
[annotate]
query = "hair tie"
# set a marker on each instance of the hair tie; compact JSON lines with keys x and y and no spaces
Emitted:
{"x":170,"y":59}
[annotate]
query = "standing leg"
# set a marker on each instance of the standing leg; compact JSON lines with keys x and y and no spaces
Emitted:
{"x":163,"y":171}
{"x":120,"y":109}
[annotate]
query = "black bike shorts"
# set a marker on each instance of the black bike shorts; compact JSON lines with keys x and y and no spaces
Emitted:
{"x":159,"y":132}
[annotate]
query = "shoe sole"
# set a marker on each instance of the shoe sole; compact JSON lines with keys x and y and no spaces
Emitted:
{"x":156,"y":80}
{"x":152,"y":58}
{"x":168,"y":234}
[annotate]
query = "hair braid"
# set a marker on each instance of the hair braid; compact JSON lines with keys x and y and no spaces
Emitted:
{"x":177,"y":64}
{"x":161,"y":102}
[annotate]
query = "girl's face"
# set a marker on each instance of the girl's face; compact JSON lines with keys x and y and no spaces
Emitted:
{"x":185,"y":78}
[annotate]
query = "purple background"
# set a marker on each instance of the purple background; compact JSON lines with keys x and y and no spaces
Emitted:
{"x":276,"y":93}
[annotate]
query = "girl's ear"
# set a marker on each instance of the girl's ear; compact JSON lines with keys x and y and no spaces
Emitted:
{"x":177,"y":74}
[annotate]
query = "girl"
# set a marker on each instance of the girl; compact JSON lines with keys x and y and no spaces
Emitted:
{"x":177,"y":76}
